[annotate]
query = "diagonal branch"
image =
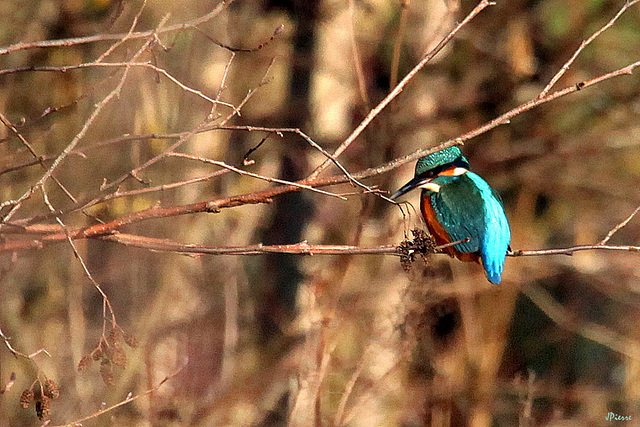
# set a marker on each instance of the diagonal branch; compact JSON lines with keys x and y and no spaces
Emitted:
{"x":584,"y":44}
{"x":617,"y":228}
{"x":396,"y":90}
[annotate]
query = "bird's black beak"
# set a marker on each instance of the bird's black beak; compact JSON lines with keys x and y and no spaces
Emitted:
{"x":414,"y":183}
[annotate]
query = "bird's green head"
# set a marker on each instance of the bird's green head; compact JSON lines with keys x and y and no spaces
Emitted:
{"x":444,"y":165}
{"x":441,"y":159}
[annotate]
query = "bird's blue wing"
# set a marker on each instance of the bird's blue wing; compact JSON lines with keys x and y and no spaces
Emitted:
{"x":468,"y":207}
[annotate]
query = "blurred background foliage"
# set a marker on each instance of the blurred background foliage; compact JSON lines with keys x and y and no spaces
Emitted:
{"x":326,"y":340}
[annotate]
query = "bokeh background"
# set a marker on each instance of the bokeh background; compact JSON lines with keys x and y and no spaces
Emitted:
{"x":320,"y":340}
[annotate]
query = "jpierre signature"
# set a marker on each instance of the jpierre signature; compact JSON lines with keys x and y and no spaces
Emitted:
{"x":615,"y":417}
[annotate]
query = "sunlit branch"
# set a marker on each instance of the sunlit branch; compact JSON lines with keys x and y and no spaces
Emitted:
{"x":400,"y":86}
{"x":116,"y":37}
{"x":584,"y":44}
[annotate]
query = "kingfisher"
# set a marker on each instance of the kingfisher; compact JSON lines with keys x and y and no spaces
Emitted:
{"x":458,"y":204}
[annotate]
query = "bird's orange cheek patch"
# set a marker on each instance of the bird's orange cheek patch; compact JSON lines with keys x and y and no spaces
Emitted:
{"x":453,"y":172}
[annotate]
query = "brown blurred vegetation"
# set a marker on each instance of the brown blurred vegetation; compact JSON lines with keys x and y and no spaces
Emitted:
{"x":322,"y":340}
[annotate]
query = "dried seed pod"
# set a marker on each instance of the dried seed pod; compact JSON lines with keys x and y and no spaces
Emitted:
{"x":106,"y":370}
{"x":26,"y":398}
{"x":119,"y":357}
{"x":50,"y":389}
{"x":97,"y":353}
{"x":130,"y":340}
{"x":42,"y":408}
{"x":114,"y":336}
{"x":84,"y":363}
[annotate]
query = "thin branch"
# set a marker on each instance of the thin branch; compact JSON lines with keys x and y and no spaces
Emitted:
{"x":572,"y":249}
{"x":78,"y":137}
{"x":234,"y":50}
{"x":592,"y":331}
{"x":396,"y":90}
{"x":116,"y":37}
{"x":302,"y":248}
{"x":106,"y":304}
{"x":127,"y":36}
{"x":18,"y":354}
{"x":397,"y":43}
{"x":223,"y":85}
{"x":254,"y":175}
{"x":584,"y":44}
{"x":617,"y":228}
{"x":158,"y":188}
{"x":130,"y":398}
{"x":311,"y":142}
{"x":357,"y":60}
{"x":38,"y":159}
{"x":66,"y":68}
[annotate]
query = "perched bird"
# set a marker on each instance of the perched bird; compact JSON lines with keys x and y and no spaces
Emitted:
{"x":458,"y":204}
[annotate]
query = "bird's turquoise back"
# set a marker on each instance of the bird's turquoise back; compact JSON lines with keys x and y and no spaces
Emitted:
{"x":466,"y":206}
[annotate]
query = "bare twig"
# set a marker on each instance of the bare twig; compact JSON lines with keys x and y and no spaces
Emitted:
{"x":592,"y":331}
{"x":615,"y":229}
{"x":76,"y":139}
{"x":397,"y":43}
{"x":357,"y":60}
{"x":302,"y":248}
{"x":116,"y":37}
{"x":127,"y":36}
{"x":223,"y":86}
{"x":16,"y":353}
{"x":37,"y":159}
{"x":572,"y":249}
{"x":66,"y":68}
{"x":106,"y":304}
{"x":584,"y":44}
{"x":233,"y":49}
{"x":130,"y":398}
{"x":158,"y":188}
{"x":396,"y":90}
{"x":311,"y":142}
{"x":251,"y":174}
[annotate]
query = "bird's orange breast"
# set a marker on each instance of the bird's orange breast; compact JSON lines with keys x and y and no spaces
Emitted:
{"x":440,"y":234}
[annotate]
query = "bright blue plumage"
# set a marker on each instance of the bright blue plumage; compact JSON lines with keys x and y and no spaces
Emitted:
{"x":459,"y":204}
{"x":466,"y":206}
